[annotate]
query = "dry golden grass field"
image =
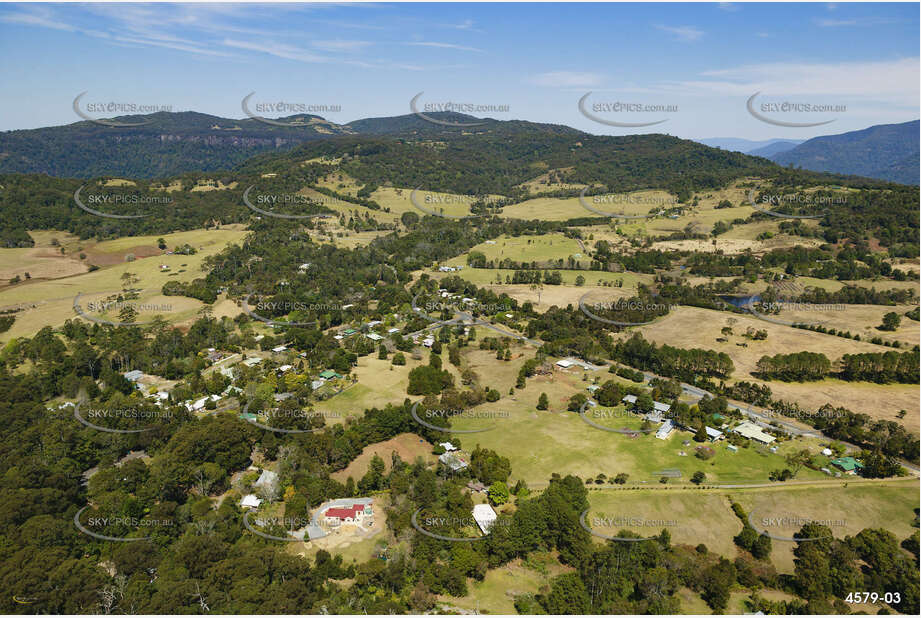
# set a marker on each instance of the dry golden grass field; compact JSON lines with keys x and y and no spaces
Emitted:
{"x":50,"y":302}
{"x":689,"y":327}
{"x":408,"y":446}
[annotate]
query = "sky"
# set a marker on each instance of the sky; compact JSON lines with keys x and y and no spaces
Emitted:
{"x":696,"y":65}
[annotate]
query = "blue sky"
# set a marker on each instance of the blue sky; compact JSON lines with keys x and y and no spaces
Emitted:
{"x":701,"y":61}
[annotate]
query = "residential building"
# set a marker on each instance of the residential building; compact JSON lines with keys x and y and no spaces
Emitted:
{"x":484,"y":516}
{"x":354,"y":514}
{"x":453,"y":461}
{"x":848,"y":465}
{"x":665,"y":430}
{"x":251,"y":501}
{"x":751,"y":431}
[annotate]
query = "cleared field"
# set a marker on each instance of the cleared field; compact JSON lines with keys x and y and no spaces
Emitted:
{"x":488,"y":276}
{"x":38,"y":263}
{"x":690,"y":327}
{"x":547,"y":209}
{"x":379,"y":383}
{"x":860,"y":319}
{"x":851,"y":508}
{"x":690,"y":517}
{"x":583,"y":450}
{"x":742,"y":242}
{"x":50,"y":303}
{"x":706,"y":517}
{"x":496,"y":593}
{"x":408,"y":446}
{"x":542,"y":249}
{"x":560,"y":295}
{"x":833,"y":286}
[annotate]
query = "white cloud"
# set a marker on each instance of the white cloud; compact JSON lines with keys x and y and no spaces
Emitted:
{"x":279,"y":50}
{"x":728,"y":6}
{"x":838,"y":23}
{"x":682,"y":33}
{"x":446,"y":46}
{"x":567,"y":79}
{"x":340,"y":45}
{"x":892,"y":82}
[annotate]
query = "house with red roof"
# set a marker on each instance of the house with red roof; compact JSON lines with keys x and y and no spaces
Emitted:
{"x":347,"y":515}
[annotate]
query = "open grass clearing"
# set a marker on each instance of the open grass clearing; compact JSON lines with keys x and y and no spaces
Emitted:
{"x":50,"y":303}
{"x":408,"y":446}
{"x":690,"y":327}
{"x":496,"y":593}
{"x":539,"y":443}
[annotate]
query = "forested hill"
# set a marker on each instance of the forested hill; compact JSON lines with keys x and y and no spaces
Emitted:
{"x":451,"y":125}
{"x":162,"y":144}
{"x":886,"y":151}
{"x":496,"y":163}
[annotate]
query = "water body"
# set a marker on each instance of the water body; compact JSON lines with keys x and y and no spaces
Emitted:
{"x":741,"y":301}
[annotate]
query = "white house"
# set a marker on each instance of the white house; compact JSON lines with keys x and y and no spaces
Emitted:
{"x":373,"y":336}
{"x":453,"y":461}
{"x":250,"y":501}
{"x":280,"y":348}
{"x":447,"y":446}
{"x":661,"y":407}
{"x":629,"y":399}
{"x":665,"y":430}
{"x":714,"y":434}
{"x":484,"y":516}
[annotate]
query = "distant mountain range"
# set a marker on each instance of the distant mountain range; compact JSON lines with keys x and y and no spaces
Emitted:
{"x":747,"y":146}
{"x":166,"y":144}
{"x":886,"y":151}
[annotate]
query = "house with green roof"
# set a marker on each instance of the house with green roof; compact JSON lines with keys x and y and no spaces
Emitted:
{"x":329,"y":374}
{"x":849,"y":465}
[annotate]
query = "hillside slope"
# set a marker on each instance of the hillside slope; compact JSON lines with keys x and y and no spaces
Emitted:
{"x":887,"y":151}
